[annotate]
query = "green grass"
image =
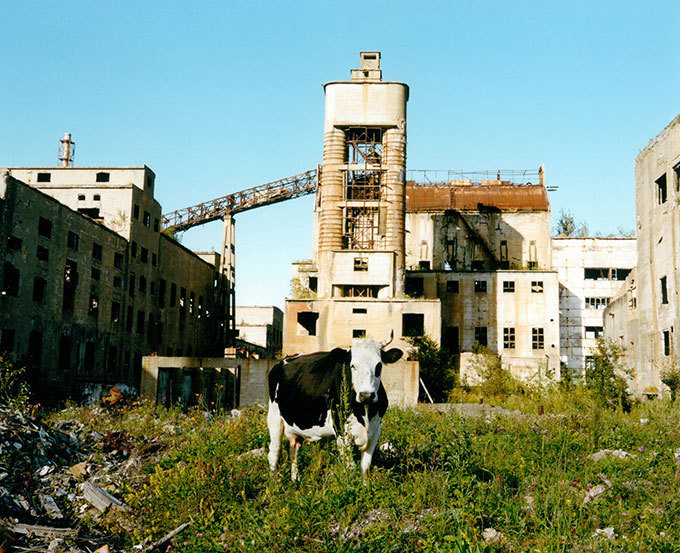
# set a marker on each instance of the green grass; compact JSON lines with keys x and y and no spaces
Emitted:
{"x":444,"y":480}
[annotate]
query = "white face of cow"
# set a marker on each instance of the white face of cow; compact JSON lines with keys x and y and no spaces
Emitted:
{"x":367,"y":359}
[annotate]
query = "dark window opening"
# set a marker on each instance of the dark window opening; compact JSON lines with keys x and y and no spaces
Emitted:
{"x":593,"y":332}
{"x":133,"y":249}
{"x":537,"y":286}
{"x":349,"y":291}
{"x":537,"y":340}
{"x":154,"y":259}
{"x":664,"y":290}
{"x":91,"y":212}
{"x":144,"y":255}
{"x":117,"y":282}
{"x":192,"y":303}
{"x":481,"y":336}
{"x":161,"y":293}
{"x":39,"y":286}
{"x":480,"y":286}
{"x":414,"y":287}
{"x":93,"y":310}
{"x":131,"y":285}
{"x":661,"y":189}
{"x":156,"y":225}
{"x":95,"y":274}
{"x":88,"y":360}
{"x":508,"y":286}
{"x":42,"y":253}
{"x":7,"y":336}
{"x":313,"y":283}
{"x":146,"y":219}
{"x":128,"y":321}
{"x":676,"y":175}
{"x":103,"y":177}
{"x":35,"y":347}
{"x":412,"y":324}
{"x":10,"y":280}
{"x":72,"y":241}
{"x":451,"y":339}
{"x":70,"y":285}
{"x":666,"y":342}
{"x":620,"y":274}
{"x":13,"y":242}
{"x":363,"y":145}
{"x":118,"y":260}
{"x":596,"y":273}
{"x":453,"y":286}
{"x":142,"y":284}
{"x":115,"y":312}
{"x":44,"y":177}
{"x":135,"y":211}
{"x":477,"y":265}
{"x":361,"y":263}
{"x":97,"y":198}
{"x":152,"y":288}
{"x":504,"y":263}
{"x":424,"y":265}
{"x":359,"y":310}
{"x":307,"y":323}
{"x":44,"y":227}
{"x":140,"y":322}
{"x":509,"y":338}
{"x":173,"y":294}
{"x":359,"y":333}
{"x":96,"y":251}
{"x":81,"y":197}
{"x":182,"y":307}
{"x":65,"y":347}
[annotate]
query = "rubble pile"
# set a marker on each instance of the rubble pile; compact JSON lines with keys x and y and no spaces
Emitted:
{"x":56,"y":481}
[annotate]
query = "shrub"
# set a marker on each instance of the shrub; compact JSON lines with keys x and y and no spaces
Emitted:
{"x":437,"y":367}
{"x":14,"y":390}
{"x":496,"y":381}
{"x":606,"y":376}
{"x":670,"y":376}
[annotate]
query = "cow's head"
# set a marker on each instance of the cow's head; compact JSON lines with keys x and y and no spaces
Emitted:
{"x":366,"y":358}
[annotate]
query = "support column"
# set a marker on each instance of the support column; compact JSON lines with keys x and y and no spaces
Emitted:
{"x":228,"y":270}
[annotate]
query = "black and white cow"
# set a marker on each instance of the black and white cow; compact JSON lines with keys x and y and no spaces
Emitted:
{"x":305,"y":395}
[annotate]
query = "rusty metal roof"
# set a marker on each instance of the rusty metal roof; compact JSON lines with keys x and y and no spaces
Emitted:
{"x":502,"y":197}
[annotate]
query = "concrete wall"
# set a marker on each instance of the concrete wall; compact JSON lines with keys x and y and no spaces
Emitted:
{"x":583,"y":300}
{"x":262,"y":326}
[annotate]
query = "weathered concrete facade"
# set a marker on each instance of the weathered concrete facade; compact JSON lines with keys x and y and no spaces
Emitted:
{"x":591,"y":272}
{"x":354,"y":284}
{"x":648,"y":326}
{"x":262,"y":326}
{"x":84,"y":276}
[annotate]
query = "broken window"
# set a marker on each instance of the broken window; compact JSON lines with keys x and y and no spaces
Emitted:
{"x":313,"y":283}
{"x":359,"y":333}
{"x":508,"y":286}
{"x":10,"y":280}
{"x":70,"y":285}
{"x":115,"y":312}
{"x":42,"y":253}
{"x":597,"y":303}
{"x":72,"y":241}
{"x":39,"y":285}
{"x":620,"y":274}
{"x":504,"y":263}
{"x":664,"y":290}
{"x":192,"y":302}
{"x":363,"y":145}
{"x":509,"y":338}
{"x":661,"y":190}
{"x":453,"y":286}
{"x":533,"y":256}
{"x":412,"y":324}
{"x":537,"y":341}
{"x":666,"y":342}
{"x":96,"y":251}
{"x":182,"y":307}
{"x":451,"y":339}
{"x":481,"y":336}
{"x":361,"y":263}
{"x":117,"y":282}
{"x":596,"y":273}
{"x":362,"y":185}
{"x":118,"y":260}
{"x":360,"y":228}
{"x":413,"y":286}
{"x":156,"y":225}
{"x":44,"y":227}
{"x":537,"y":286}
{"x":146,"y":220}
{"x":93,"y":310}
{"x":480,"y":286}
{"x":307,"y":323}
{"x":103,"y":177}
{"x":349,"y":291}
{"x":91,"y":212}
{"x":477,"y":265}
{"x":594,"y":331}
{"x":44,"y":177}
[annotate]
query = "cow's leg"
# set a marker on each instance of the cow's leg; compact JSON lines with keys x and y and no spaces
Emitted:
{"x":374,"y":428}
{"x":275,"y":424}
{"x":295,"y":444}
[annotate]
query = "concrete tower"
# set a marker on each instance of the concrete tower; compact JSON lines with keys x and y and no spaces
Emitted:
{"x":354,"y":284}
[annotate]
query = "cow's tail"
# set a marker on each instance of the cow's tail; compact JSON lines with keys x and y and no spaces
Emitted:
{"x":274,"y":379}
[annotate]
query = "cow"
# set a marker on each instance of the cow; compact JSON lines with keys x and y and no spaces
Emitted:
{"x":306,"y":399}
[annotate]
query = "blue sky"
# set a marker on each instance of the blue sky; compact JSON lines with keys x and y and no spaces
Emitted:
{"x":220,"y":96}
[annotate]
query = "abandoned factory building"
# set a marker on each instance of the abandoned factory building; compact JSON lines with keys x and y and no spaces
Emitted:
{"x":464,"y":258}
{"x":644,"y":317}
{"x":90,"y":284}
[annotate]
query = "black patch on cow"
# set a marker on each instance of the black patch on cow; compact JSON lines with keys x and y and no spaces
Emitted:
{"x":306,"y":387}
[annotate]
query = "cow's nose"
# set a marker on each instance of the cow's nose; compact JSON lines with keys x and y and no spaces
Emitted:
{"x":366,"y":397}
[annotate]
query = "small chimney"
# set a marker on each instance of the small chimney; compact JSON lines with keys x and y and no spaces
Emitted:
{"x":66,"y":150}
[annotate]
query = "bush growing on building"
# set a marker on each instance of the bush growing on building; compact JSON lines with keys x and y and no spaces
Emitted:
{"x":606,"y":376}
{"x":14,"y":390}
{"x":437,"y":367}
{"x":670,"y":376}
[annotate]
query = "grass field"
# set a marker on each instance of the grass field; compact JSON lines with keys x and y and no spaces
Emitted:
{"x":518,"y":482}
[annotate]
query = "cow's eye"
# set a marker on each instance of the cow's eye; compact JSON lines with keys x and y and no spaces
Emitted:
{"x":378,"y":369}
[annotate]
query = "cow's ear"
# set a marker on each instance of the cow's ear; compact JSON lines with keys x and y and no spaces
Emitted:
{"x":391,"y":355}
{"x":340,"y":355}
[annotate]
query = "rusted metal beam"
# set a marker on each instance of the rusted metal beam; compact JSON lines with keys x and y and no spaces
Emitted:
{"x":257,"y":196}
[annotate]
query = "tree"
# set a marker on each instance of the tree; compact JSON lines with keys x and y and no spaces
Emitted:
{"x":606,"y":375}
{"x":437,"y":368}
{"x":568,"y":226}
{"x":670,"y":376}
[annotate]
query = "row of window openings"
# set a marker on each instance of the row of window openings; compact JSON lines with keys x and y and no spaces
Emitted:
{"x":605,"y":273}
{"x":453,"y":286}
{"x":413,"y":324}
{"x":662,"y":186}
{"x":509,"y":337}
{"x":101,"y":176}
{"x":146,"y":219}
